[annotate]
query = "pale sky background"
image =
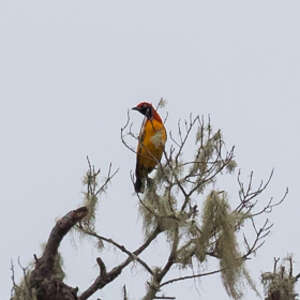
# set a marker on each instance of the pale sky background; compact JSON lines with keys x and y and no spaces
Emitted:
{"x":69,"y":70}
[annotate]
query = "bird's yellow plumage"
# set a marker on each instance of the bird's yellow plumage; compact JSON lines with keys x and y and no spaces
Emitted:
{"x":151,"y":144}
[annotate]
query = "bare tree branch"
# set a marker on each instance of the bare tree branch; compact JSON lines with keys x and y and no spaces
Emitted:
{"x":125,"y":293}
{"x":120,"y":247}
{"x":158,"y":276}
{"x":103,"y":280}
{"x":190,"y":277}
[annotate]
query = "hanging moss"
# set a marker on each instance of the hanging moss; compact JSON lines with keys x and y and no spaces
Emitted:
{"x":231,"y":166}
{"x":212,"y":216}
{"x":185,"y":255}
{"x":280,"y":284}
{"x":22,"y":291}
{"x":159,"y":210}
{"x":90,"y":198}
{"x":218,"y":228}
{"x":148,"y":208}
{"x":199,"y":134}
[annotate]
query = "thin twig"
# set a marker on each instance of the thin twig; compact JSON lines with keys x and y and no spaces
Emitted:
{"x":190,"y":277}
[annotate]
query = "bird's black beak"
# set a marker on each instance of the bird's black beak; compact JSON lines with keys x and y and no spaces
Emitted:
{"x":136,"y":108}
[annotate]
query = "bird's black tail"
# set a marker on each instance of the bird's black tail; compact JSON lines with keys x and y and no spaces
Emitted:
{"x":139,"y":186}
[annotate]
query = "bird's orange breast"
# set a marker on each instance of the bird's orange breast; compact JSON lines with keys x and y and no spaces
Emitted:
{"x":151,"y":144}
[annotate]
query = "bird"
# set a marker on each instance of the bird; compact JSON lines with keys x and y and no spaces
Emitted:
{"x":151,"y":144}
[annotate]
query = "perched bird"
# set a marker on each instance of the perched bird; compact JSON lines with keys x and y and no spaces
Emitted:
{"x":151,"y":144}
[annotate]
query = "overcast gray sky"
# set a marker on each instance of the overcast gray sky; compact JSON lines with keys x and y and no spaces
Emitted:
{"x":69,"y":70}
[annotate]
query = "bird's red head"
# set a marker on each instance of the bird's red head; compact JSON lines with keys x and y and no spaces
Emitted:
{"x":147,"y":110}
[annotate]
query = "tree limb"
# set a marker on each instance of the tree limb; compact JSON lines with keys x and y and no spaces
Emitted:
{"x":104,"y":279}
{"x":43,"y":278}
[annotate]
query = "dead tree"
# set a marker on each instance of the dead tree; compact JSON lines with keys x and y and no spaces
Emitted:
{"x":182,"y":203}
